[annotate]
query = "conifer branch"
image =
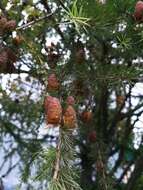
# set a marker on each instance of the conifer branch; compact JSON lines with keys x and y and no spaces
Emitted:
{"x":34,"y":22}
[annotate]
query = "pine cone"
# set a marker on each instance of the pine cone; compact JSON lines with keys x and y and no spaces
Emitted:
{"x":3,"y":61}
{"x":53,"y":110}
{"x":3,"y":21}
{"x":69,"y":117}
{"x":11,"y":55}
{"x":138,"y":14}
{"x":17,"y":40}
{"x":86,"y":116}
{"x":53,"y":83}
{"x":70,"y":100}
{"x":10,"y":26}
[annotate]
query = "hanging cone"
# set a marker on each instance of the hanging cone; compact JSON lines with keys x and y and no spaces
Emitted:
{"x":11,"y":55}
{"x":70,"y":100}
{"x":3,"y":21}
{"x":86,"y":116}
{"x":10,"y":26}
{"x":53,"y":83}
{"x":138,"y":14}
{"x":3,"y":61}
{"x":69,"y":117}
{"x":17,"y":40}
{"x":53,"y":110}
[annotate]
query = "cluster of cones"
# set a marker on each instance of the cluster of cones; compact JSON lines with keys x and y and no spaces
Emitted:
{"x":54,"y":110}
{"x":66,"y":117}
{"x":55,"y":114}
{"x":8,"y":56}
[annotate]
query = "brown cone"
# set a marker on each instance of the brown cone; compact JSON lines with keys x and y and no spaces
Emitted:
{"x":86,"y":116}
{"x":70,"y":100}
{"x":3,"y":61}
{"x":53,"y":83}
{"x":53,"y":110}
{"x":17,"y":40}
{"x":69,"y":117}
{"x":10,"y":26}
{"x":3,"y":21}
{"x":11,"y":55}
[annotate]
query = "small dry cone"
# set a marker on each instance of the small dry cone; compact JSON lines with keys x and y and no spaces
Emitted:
{"x":69,"y":117}
{"x":3,"y":21}
{"x":87,"y":116}
{"x":53,"y":110}
{"x":120,"y":100}
{"x":10,"y":26}
{"x":70,"y":100}
{"x":11,"y":55}
{"x":3,"y":61}
{"x":6,"y":61}
{"x":17,"y":40}
{"x":138,"y":14}
{"x":53,"y":83}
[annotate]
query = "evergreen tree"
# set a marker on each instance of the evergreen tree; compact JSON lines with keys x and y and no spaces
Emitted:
{"x":70,"y":68}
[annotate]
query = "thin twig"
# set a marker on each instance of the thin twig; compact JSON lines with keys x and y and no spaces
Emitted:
{"x":62,"y":4}
{"x":34,"y":21}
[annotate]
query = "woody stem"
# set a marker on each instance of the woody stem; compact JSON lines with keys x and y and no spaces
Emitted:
{"x":57,"y":162}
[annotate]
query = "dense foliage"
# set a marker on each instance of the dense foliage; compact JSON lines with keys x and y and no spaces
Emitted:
{"x":90,"y":51}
